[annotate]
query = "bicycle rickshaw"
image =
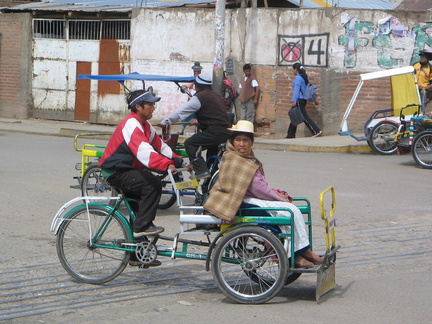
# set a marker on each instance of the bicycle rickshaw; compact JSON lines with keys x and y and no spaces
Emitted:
{"x":248,"y":257}
{"x":383,"y":125}
{"x":417,"y":138}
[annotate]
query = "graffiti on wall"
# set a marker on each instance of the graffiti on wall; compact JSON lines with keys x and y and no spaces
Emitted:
{"x":391,"y":39}
{"x":423,"y":39}
{"x":310,"y":50}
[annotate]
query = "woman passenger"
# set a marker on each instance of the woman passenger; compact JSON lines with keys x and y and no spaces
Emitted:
{"x":242,"y":180}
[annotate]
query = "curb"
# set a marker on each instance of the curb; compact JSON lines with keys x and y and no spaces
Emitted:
{"x":263,"y":145}
{"x":309,"y":148}
{"x":71,"y":132}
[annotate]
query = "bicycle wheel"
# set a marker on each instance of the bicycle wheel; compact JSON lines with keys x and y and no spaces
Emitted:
{"x":168,"y":196}
{"x":88,"y":245}
{"x":381,"y":138}
{"x":422,"y":149}
{"x":213,"y":180}
{"x":249,"y":265}
{"x":94,"y":184}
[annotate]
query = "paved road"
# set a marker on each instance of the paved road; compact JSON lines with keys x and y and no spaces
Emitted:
{"x":383,"y":269}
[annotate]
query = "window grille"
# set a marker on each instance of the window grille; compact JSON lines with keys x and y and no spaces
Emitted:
{"x":116,"y":29}
{"x":84,"y":29}
{"x":81,"y":29}
{"x":49,"y":28}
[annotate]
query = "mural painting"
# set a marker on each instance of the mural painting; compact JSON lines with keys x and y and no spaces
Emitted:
{"x":391,"y":39}
{"x":423,"y":40}
{"x":352,"y":40}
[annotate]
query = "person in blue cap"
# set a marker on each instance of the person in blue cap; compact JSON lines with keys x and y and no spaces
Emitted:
{"x":132,"y":151}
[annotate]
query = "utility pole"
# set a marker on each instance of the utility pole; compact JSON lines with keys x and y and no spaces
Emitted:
{"x":218,"y":67}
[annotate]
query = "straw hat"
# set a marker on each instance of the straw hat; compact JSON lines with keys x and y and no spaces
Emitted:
{"x":243,"y":126}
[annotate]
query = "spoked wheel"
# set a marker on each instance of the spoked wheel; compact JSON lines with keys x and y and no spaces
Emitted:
{"x":213,"y":180}
{"x":422,"y":149}
{"x":94,"y":184}
{"x":381,"y":138}
{"x":249,"y":265}
{"x":88,"y":245}
{"x":168,"y":196}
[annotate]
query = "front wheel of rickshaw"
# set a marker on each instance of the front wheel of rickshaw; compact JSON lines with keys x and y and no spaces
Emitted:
{"x":382,"y":138}
{"x":422,"y":149}
{"x":89,"y":244}
{"x":249,"y":265}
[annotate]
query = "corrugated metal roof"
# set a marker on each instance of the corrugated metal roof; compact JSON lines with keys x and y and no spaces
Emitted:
{"x":102,"y":5}
{"x":131,"y":3}
{"x":59,"y":7}
{"x":351,"y":4}
{"x":127,"y":5}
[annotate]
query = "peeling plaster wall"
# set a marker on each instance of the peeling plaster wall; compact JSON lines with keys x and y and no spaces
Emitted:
{"x":335,"y":46}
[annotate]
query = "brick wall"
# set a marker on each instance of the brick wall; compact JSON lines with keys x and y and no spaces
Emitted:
{"x":277,"y":93}
{"x":15,"y":65}
{"x":375,"y":95}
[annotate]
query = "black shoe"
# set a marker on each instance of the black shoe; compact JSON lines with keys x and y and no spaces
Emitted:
{"x":289,"y":136}
{"x":154,"y":263}
{"x":151,"y":230}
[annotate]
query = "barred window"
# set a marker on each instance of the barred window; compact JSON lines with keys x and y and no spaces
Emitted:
{"x":84,"y":29}
{"x":49,"y":28}
{"x":116,"y":29}
{"x":81,"y":29}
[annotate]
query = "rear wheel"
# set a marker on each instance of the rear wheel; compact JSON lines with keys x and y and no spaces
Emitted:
{"x":88,"y":244}
{"x":422,"y":149}
{"x":94,"y":184}
{"x":213,"y":180}
{"x":381,"y":138}
{"x":249,"y":265}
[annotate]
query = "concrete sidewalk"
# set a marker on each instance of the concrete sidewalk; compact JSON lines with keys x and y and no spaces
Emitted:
{"x":332,"y":143}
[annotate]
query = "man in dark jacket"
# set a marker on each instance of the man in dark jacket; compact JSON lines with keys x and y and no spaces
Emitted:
{"x":132,"y":151}
{"x":213,"y":123}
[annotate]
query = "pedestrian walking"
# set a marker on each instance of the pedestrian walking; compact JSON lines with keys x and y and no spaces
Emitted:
{"x":298,"y":87}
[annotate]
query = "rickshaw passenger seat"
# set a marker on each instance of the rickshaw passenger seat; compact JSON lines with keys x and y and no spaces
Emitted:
{"x":251,"y":212}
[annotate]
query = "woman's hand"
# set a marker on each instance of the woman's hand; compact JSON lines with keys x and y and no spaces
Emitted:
{"x":284,"y":195}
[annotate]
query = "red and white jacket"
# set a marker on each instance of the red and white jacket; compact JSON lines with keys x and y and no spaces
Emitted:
{"x":136,"y":146}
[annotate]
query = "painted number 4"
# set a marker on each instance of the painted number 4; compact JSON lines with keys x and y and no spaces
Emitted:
{"x":315,"y":53}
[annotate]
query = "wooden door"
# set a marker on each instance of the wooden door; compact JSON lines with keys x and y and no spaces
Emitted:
{"x":82,"y":93}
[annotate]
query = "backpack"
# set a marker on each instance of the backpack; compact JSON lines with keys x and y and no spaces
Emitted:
{"x":310,"y":93}
{"x":229,"y":92}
